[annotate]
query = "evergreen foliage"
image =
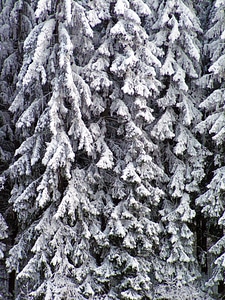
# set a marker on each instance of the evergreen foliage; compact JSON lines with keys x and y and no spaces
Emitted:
{"x":177,"y":30}
{"x":126,"y":89}
{"x":213,"y":130}
{"x":15,"y":23}
{"x":117,"y":128}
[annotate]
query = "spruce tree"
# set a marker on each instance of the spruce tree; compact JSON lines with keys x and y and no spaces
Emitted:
{"x":52,"y":193}
{"x":213,"y":132}
{"x":111,"y":147}
{"x":14,"y":26}
{"x":123,"y":78}
{"x":177,"y":32}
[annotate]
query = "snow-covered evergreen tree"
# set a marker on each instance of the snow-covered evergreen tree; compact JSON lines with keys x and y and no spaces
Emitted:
{"x":177,"y":31}
{"x":14,"y":25}
{"x":212,"y":130}
{"x":8,"y":71}
{"x":112,"y":146}
{"x":122,"y":77}
{"x":3,"y":236}
{"x":55,"y":206}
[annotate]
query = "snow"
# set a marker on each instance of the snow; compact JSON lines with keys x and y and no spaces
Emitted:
{"x":112,"y":164}
{"x":43,"y":5}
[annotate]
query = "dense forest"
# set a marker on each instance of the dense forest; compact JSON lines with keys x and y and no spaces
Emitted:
{"x":112,"y":149}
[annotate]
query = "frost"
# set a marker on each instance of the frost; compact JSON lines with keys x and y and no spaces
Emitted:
{"x":175,"y":31}
{"x":119,"y":108}
{"x":141,"y":7}
{"x":3,"y":235}
{"x":132,"y":16}
{"x":164,"y":127}
{"x":119,"y":29}
{"x":93,"y":18}
{"x":43,"y":5}
{"x":179,"y":77}
{"x":121,"y":6}
{"x":41,"y":52}
{"x":191,"y":113}
{"x":168,"y":66}
{"x":142,"y":191}
{"x":177,"y":180}
{"x":68,"y":13}
{"x":130,"y":175}
{"x":106,"y":160}
{"x":112,"y":133}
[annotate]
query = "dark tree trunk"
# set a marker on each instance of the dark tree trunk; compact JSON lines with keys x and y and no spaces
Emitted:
{"x":201,"y":233}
